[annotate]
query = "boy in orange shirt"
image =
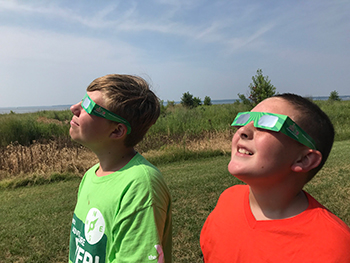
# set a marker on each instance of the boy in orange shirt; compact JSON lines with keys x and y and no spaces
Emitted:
{"x":271,"y":219}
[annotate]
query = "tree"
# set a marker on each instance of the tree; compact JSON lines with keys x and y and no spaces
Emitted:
{"x":244,"y":100}
{"x":187,"y":100}
{"x":197,"y":102}
{"x":260,"y":89}
{"x":170,"y":103}
{"x":334,"y":96}
{"x":162,"y":107}
{"x":207,"y":101}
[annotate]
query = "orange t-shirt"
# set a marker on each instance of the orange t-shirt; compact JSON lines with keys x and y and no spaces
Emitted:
{"x":231,"y":234}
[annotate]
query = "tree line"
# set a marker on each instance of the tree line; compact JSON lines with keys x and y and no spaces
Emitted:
{"x":260,"y":89}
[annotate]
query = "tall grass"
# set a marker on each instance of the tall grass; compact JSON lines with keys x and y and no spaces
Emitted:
{"x":339,"y":113}
{"x":28,"y":128}
{"x":179,"y":120}
{"x":39,"y":143}
{"x":174,"y":125}
{"x":38,"y":162}
{"x":42,"y":160}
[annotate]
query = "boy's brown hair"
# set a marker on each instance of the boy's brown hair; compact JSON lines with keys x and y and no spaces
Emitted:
{"x":315,"y":122}
{"x":131,"y":98}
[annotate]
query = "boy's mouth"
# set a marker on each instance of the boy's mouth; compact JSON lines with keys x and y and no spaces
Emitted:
{"x":74,"y":122}
{"x":244,"y":151}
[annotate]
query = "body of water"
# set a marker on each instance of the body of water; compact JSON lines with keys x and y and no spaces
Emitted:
{"x":66,"y":107}
{"x":34,"y":109}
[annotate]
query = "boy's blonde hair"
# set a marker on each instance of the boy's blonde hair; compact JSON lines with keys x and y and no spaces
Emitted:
{"x":131,"y":98}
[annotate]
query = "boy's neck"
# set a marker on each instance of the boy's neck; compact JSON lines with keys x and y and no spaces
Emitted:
{"x":270,"y":205}
{"x":111,"y":162}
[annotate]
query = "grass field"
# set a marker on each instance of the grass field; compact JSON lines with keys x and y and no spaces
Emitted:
{"x":35,"y":221}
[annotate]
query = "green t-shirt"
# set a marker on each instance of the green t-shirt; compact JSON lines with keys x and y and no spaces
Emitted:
{"x":122,"y":217}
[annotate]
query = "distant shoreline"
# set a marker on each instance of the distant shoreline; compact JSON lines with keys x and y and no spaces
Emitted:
{"x":5,"y":110}
{"x":33,"y":109}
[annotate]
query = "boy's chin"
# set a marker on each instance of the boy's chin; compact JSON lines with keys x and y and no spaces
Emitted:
{"x":74,"y":135}
{"x":75,"y":138}
{"x":71,"y":133}
{"x":237,"y":170}
{"x":233,"y":168}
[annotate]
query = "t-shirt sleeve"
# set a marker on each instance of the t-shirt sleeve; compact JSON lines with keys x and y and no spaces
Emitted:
{"x":137,"y":238}
{"x":138,"y":228}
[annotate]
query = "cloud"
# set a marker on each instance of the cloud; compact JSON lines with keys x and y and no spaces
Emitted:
{"x":132,"y":19}
{"x":22,"y":43}
{"x":46,"y":63}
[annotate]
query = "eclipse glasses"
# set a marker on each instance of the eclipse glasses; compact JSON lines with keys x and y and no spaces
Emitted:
{"x":275,"y":122}
{"x":94,"y":109}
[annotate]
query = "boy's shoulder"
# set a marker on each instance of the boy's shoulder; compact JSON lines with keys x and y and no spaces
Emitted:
{"x":327,"y":219}
{"x":137,"y":169}
{"x":239,"y":190}
{"x":142,"y":167}
{"x":234,"y":198}
{"x":139,"y":178}
{"x":140,"y":159}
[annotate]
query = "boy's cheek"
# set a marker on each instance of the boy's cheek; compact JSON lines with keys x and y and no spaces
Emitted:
{"x":234,"y":140}
{"x":234,"y":143}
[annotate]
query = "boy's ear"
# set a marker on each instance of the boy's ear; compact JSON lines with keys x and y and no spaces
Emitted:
{"x":119,"y":131}
{"x":309,"y":160}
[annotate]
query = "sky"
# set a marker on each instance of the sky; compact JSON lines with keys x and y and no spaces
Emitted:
{"x":50,"y":51}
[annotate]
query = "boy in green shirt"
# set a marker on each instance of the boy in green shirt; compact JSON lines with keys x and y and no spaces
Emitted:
{"x":123,"y":210}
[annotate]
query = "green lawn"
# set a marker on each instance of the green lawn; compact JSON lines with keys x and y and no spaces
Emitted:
{"x":35,"y":221}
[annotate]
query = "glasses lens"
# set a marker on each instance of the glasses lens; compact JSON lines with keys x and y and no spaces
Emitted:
{"x":268,"y":121}
{"x":86,"y":103}
{"x":242,"y":119}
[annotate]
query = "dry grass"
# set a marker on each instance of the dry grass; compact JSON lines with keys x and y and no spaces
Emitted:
{"x":207,"y":141}
{"x":212,"y":141}
{"x":43,"y":159}
{"x":47,"y":120}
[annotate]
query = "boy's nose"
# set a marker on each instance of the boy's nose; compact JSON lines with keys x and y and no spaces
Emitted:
{"x":247,"y":131}
{"x":76,"y":108}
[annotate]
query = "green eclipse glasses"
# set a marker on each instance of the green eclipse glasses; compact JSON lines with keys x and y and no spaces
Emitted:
{"x":94,"y":109}
{"x":275,"y":122}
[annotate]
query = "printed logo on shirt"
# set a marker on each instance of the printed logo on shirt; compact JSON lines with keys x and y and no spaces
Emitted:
{"x":94,"y":226}
{"x":87,"y":240}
